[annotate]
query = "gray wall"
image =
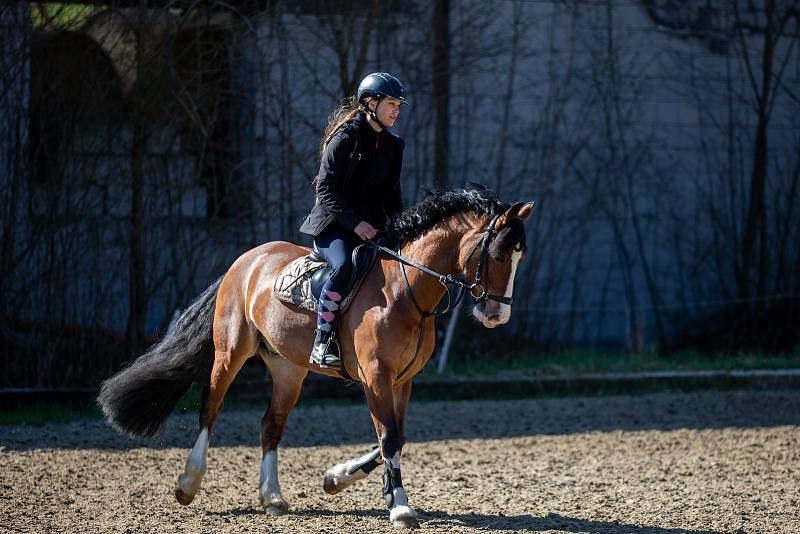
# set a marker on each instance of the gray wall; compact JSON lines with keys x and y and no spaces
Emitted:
{"x":634,"y":138}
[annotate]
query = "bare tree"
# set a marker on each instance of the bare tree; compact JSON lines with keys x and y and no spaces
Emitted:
{"x":781,"y":22}
{"x":744,"y":227}
{"x":441,"y":89}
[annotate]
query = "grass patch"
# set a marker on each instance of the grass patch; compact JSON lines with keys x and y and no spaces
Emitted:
{"x":581,"y":362}
{"x":190,"y":400}
{"x":41,"y":413}
{"x":524,"y":363}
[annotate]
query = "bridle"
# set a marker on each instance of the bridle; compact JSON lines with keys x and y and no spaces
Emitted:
{"x":459,"y":281}
{"x":484,"y":295}
{"x":450,"y":282}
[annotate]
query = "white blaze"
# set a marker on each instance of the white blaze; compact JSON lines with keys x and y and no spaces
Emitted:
{"x":505,"y":309}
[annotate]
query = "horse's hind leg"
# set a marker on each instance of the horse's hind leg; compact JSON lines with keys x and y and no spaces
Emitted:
{"x":234,"y":343}
{"x":287,"y":380}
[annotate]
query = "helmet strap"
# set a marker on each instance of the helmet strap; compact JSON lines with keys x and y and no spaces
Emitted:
{"x":372,"y":114}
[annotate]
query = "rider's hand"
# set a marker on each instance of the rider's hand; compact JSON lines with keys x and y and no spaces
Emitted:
{"x":365,"y":230}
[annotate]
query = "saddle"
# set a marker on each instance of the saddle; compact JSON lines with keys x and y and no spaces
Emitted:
{"x":300,"y":282}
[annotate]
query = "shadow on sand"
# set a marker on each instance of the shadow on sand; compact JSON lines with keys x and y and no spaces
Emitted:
{"x":331,"y":424}
{"x":493,"y":523}
{"x":550,"y":522}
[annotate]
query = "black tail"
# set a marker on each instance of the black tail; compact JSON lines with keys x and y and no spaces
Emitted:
{"x":138,"y":399}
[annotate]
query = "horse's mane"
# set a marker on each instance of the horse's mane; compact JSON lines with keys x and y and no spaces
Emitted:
{"x":441,"y":203}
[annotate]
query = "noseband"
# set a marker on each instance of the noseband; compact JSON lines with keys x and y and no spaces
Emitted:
{"x":484,"y":295}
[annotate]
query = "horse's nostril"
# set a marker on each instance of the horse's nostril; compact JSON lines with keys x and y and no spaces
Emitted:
{"x":494,"y":317}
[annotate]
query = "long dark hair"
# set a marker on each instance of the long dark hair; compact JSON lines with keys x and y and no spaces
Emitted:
{"x":343,"y":113}
{"x":340,"y":115}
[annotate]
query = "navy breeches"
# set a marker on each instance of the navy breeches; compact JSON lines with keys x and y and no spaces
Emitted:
{"x":336,"y":245}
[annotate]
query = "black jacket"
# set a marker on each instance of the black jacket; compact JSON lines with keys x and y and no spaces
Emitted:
{"x":358,"y":180}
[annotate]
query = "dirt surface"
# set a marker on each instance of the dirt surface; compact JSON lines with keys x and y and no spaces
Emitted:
{"x":663,"y":464}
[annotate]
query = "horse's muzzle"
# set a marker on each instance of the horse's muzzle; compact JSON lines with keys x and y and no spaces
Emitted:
{"x":491,"y":315}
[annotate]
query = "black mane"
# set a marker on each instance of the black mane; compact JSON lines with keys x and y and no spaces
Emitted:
{"x":441,"y":203}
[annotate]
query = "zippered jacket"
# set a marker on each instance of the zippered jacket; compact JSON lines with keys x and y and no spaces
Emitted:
{"x":358,"y":179}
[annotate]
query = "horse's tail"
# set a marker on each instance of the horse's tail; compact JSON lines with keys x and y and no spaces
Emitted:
{"x":138,"y":399}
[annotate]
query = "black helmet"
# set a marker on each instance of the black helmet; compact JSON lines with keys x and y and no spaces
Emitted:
{"x":379,"y":84}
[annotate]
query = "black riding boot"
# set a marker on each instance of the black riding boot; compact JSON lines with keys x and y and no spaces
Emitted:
{"x":326,"y":350}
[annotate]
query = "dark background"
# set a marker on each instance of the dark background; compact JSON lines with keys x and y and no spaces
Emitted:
{"x":145,"y":145}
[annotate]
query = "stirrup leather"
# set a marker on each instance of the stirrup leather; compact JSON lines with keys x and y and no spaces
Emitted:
{"x":326,"y":354}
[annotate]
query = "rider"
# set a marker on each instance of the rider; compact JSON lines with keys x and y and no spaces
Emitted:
{"x":357,"y":188}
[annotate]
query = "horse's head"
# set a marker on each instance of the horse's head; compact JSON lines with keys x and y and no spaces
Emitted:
{"x":490,"y":260}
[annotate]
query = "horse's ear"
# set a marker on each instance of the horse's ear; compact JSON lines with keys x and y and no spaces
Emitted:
{"x":507,"y":215}
{"x":518,"y":209}
{"x":525,"y":210}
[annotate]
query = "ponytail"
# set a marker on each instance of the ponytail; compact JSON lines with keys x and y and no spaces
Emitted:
{"x":348,"y":110}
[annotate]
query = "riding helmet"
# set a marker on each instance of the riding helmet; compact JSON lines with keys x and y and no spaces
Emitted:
{"x":380,"y":84}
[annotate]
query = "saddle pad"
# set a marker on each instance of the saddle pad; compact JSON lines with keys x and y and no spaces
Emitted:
{"x":293,"y":284}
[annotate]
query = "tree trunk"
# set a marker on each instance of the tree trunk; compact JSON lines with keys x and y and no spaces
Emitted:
{"x":138,"y":301}
{"x":755,"y":223}
{"x":441,"y":89}
{"x":509,"y":99}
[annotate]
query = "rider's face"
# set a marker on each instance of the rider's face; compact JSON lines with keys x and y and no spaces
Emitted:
{"x":387,"y":110}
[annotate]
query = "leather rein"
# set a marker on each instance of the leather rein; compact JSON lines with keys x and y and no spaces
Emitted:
{"x":449,"y":282}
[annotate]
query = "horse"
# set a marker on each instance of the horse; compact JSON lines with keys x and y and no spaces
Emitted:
{"x":386,"y":336}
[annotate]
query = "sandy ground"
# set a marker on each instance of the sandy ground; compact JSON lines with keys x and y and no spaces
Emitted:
{"x":663,"y":464}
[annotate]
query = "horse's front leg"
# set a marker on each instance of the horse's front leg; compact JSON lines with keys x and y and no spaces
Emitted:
{"x":402,"y":394}
{"x":381,"y":400}
{"x":343,"y":475}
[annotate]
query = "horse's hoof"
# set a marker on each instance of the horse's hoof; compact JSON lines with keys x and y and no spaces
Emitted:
{"x":275,"y":508}
{"x":182,"y":497}
{"x":403,"y":517}
{"x":405,"y":522}
{"x":329,"y":484}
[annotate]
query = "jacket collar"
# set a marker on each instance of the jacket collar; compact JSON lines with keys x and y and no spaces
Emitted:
{"x":364,"y":127}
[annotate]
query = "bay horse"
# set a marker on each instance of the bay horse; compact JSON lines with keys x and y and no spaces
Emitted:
{"x":386,"y":337}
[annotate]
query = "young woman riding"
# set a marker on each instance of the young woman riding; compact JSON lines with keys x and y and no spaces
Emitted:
{"x":357,"y":189}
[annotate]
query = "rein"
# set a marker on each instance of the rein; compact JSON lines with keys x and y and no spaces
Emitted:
{"x":448,"y":281}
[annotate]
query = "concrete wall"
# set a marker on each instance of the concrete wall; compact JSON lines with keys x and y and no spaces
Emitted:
{"x":619,"y":128}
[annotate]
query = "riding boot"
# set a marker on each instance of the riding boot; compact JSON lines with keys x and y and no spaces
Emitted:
{"x":326,"y":350}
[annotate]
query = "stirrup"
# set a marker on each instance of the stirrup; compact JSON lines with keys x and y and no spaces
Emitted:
{"x":326,"y":354}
